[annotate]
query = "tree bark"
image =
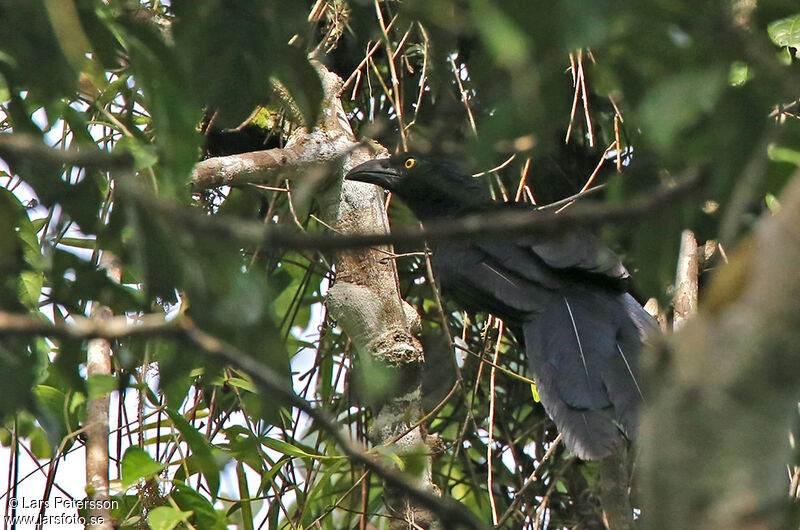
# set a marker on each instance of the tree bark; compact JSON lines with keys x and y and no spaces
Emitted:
{"x":685,"y":301}
{"x":98,"y":363}
{"x":366,"y":303}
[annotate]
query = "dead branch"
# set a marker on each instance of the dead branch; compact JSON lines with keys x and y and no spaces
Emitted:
{"x":685,"y":301}
{"x":98,"y":363}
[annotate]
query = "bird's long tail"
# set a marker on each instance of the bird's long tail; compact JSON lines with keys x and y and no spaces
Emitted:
{"x":584,"y":349}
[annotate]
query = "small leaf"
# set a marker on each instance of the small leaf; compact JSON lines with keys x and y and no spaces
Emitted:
{"x":144,"y":155}
{"x":242,"y":383}
{"x":137,"y":464}
{"x":783,"y":154}
{"x":205,"y":516}
{"x":78,"y":242}
{"x":166,"y":518}
{"x":772,"y":203}
{"x":786,"y":31}
{"x":51,"y":414}
{"x":39,"y":444}
{"x":202,"y":451}
{"x":101,"y":384}
{"x":739,"y":73}
{"x":30,"y":287}
{"x":292,"y":450}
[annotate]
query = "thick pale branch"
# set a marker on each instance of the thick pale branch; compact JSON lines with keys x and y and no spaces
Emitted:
{"x":304,"y":151}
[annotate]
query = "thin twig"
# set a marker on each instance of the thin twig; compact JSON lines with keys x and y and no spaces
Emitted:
{"x":587,"y":115}
{"x":426,"y":417}
{"x":489,"y":459}
{"x":573,"y":70}
{"x":518,"y":498}
{"x":370,"y":52}
{"x":522,"y":180}
{"x":423,"y":76}
{"x":464,"y":98}
{"x":397,"y":98}
{"x":496,"y":168}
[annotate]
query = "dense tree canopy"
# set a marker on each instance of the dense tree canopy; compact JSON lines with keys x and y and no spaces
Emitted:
{"x":174,"y":228}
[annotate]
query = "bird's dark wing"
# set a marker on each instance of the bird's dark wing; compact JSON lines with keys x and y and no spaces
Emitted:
{"x":579,"y":251}
{"x":582,"y":338}
{"x":570,"y":256}
{"x":574,"y":253}
{"x":584,"y":350}
{"x":478,"y":281}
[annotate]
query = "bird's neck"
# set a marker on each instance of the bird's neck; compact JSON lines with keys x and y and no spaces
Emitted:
{"x":450,"y":207}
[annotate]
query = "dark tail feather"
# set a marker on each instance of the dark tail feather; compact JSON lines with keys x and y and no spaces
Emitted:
{"x":584,"y":350}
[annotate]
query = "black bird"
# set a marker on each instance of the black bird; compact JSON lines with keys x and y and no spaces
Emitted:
{"x":566,"y":293}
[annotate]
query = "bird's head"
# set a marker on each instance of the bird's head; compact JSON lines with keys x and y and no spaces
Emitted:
{"x":431,"y":186}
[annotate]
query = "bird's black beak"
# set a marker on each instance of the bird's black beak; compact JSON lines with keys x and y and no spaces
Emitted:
{"x":377,"y":172}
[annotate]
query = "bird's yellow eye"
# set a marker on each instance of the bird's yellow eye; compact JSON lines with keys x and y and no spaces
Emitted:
{"x":409,"y":163}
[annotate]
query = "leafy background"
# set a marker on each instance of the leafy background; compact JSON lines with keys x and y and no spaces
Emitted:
{"x":661,"y":91}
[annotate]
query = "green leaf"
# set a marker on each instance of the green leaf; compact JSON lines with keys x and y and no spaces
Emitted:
{"x":293,"y":450}
{"x":786,"y":31}
{"x":127,"y":511}
{"x":78,"y":242}
{"x":202,"y":451}
{"x":52,"y":403}
{"x":266,"y":478}
{"x":144,"y":155}
{"x":137,"y":464}
{"x":166,"y":518}
{"x":244,"y":447}
{"x":739,"y":73}
{"x":678,"y":102}
{"x":772,"y":203}
{"x":244,"y":493}
{"x":40,"y":446}
{"x":30,"y":287}
{"x":38,"y":224}
{"x":244,"y":384}
{"x":101,"y":384}
{"x":205,"y":516}
{"x":783,"y":154}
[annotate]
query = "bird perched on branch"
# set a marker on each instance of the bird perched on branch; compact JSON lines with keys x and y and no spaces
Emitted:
{"x":565,"y":292}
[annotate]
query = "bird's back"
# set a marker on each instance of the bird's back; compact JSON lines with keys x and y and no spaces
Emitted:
{"x":582,"y":331}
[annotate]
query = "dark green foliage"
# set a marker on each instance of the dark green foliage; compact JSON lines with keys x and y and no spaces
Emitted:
{"x":695,"y":84}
